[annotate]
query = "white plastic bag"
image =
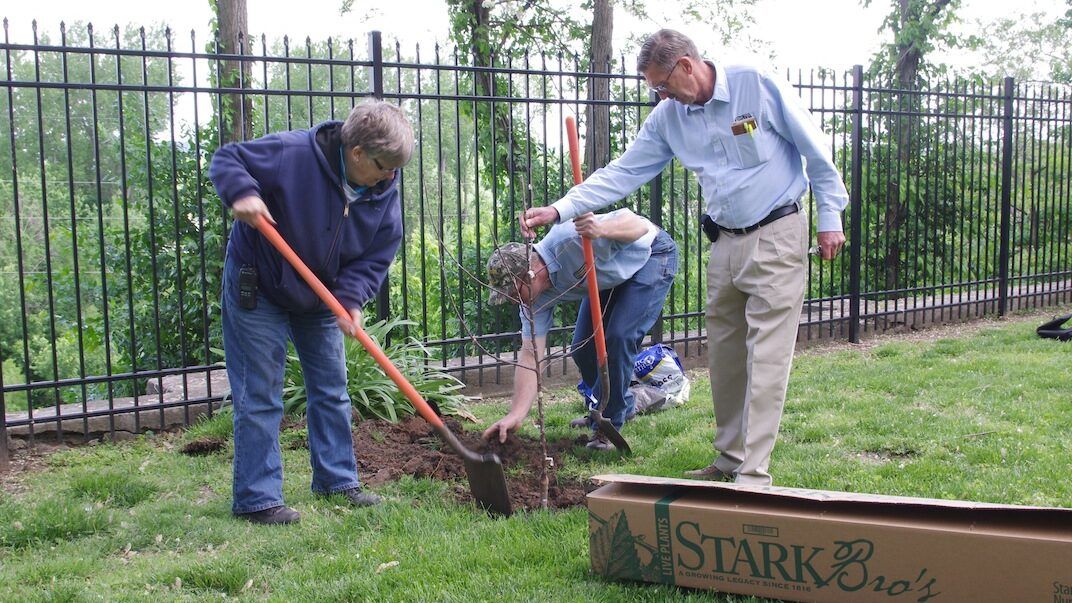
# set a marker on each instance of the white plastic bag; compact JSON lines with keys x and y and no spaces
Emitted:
{"x":658,"y":383}
{"x":659,"y":367}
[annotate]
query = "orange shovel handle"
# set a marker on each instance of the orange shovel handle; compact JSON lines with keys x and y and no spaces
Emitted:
{"x":589,"y":255}
{"x":269,"y":232}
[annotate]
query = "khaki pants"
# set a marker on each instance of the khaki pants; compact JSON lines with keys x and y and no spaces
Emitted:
{"x":755,"y":290}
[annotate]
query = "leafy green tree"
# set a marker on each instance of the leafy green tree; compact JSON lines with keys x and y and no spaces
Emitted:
{"x":727,"y":21}
{"x":917,"y":27}
{"x":932,"y":159}
{"x":1029,"y":46}
{"x":107,"y":234}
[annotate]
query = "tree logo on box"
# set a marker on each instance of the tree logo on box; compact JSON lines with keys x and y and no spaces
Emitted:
{"x":615,"y":551}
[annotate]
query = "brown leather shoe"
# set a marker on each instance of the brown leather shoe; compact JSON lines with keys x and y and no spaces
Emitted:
{"x":710,"y":473}
{"x":599,"y":441}
{"x":358,"y":498}
{"x":274,"y":516}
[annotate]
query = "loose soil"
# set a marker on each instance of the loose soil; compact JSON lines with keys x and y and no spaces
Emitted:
{"x":204,"y":446}
{"x":24,"y":461}
{"x":387,"y":451}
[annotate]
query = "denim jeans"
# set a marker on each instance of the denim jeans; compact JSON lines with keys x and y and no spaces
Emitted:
{"x":629,"y":311}
{"x":255,"y":343}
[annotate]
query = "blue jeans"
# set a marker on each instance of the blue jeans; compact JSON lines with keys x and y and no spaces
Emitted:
{"x":255,"y":343}
{"x":629,"y":311}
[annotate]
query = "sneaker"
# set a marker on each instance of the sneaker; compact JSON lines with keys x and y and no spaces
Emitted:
{"x":275,"y":516}
{"x":579,"y":422}
{"x":598,"y":441}
{"x":359,"y":498}
{"x":710,"y":473}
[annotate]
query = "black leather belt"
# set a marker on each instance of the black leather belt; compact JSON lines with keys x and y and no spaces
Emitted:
{"x":712,"y":230}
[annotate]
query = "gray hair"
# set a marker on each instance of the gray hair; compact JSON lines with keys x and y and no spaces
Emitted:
{"x":663,"y":48}
{"x":381,"y":129}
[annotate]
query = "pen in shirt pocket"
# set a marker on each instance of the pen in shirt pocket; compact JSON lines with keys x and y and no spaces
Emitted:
{"x":748,"y":127}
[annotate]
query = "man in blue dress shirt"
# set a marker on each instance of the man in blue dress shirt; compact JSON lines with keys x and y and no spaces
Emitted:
{"x":747,"y":136}
{"x":635,"y":265}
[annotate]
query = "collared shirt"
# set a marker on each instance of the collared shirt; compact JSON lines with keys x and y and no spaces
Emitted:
{"x":745,"y":146}
{"x":353,"y":193}
{"x":561,"y":250}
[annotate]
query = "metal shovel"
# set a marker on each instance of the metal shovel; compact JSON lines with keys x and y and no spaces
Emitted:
{"x":486,"y":478}
{"x":595,"y":416}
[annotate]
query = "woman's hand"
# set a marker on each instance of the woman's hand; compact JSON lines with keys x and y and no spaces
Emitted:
{"x":248,"y":208}
{"x":357,"y":319}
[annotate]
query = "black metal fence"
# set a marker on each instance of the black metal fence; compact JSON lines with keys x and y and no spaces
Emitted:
{"x":112,"y":238}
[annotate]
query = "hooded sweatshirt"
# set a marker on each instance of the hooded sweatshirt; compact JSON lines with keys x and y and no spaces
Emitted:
{"x":349,"y":245}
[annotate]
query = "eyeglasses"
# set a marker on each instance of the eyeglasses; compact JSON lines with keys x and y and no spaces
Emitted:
{"x":661,"y":87}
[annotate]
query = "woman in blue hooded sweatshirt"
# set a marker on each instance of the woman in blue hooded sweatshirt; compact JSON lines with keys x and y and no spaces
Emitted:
{"x":332,"y":192}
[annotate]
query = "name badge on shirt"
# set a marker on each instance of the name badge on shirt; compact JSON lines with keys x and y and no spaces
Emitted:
{"x":745,"y":125}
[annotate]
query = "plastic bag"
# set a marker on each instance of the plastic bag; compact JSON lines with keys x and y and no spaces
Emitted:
{"x":658,"y":383}
{"x":658,"y":366}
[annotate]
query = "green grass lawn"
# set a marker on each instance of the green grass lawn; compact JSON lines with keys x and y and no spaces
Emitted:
{"x":984,"y":416}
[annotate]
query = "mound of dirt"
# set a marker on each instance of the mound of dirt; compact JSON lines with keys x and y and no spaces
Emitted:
{"x":204,"y":446}
{"x":387,"y":451}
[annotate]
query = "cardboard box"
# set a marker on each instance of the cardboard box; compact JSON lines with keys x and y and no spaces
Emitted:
{"x":812,"y":545}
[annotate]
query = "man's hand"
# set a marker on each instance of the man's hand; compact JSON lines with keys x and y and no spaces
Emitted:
{"x":502,"y":428}
{"x":830,"y":243}
{"x":588,"y":227}
{"x":248,"y":208}
{"x":533,"y":217}
{"x":357,"y":319}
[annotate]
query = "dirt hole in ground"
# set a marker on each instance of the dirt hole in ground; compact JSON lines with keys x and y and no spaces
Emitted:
{"x":387,"y":451}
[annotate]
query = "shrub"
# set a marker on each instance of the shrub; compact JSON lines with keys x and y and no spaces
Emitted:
{"x":373,"y":393}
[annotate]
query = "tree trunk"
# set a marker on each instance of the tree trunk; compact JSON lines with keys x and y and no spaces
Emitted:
{"x":597,"y":117}
{"x":236,"y":119}
{"x":914,"y":17}
{"x":481,"y":46}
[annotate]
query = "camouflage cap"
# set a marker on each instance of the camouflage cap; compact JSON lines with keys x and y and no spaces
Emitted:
{"x":506,"y":264}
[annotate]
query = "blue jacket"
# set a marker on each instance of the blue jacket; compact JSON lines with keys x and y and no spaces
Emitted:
{"x":350,"y":247}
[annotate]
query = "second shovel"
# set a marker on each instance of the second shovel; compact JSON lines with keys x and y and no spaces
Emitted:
{"x":595,"y":416}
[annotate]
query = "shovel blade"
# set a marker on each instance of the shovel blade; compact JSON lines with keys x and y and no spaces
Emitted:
{"x":488,"y":484}
{"x":606,"y":428}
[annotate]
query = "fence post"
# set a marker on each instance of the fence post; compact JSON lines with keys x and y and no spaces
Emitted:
{"x":3,"y":429}
{"x":655,"y":214}
{"x":1006,"y":197}
{"x":856,"y":202}
{"x":656,"y":217}
{"x":383,"y":296}
{"x":3,"y":426}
